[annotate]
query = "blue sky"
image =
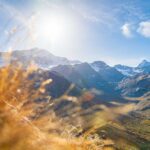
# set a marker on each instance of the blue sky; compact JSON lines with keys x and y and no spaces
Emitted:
{"x":115,"y":31}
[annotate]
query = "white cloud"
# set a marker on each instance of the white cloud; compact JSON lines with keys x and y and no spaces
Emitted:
{"x":144,"y":28}
{"x":126,"y":30}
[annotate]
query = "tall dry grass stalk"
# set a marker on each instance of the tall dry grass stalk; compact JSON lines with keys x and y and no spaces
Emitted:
{"x":20,"y":129}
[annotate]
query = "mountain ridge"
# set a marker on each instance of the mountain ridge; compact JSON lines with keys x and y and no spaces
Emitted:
{"x":96,"y":75}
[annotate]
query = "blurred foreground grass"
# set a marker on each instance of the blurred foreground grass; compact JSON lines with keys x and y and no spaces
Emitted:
{"x":19,"y":132}
{"x":28,"y":125}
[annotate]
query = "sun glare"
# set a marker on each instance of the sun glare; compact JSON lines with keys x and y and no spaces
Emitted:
{"x":52,"y":27}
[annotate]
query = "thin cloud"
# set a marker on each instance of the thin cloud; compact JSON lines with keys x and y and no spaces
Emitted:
{"x":126,"y":30}
{"x":96,"y":15}
{"x":144,"y":29}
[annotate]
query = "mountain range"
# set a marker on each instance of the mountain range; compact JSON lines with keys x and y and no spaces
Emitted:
{"x":143,"y":67}
{"x":42,"y":58}
{"x":119,"y":79}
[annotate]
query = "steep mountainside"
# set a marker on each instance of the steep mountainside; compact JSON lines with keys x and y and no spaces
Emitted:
{"x":144,"y":63}
{"x":42,"y":58}
{"x":84,"y":76}
{"x":143,"y":67}
{"x":135,"y":86}
{"x":69,"y":72}
{"x":110,"y":74}
{"x":58,"y":86}
{"x":128,"y":71}
{"x":93,"y":79}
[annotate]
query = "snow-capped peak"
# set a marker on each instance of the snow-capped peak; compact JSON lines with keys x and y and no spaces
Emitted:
{"x":144,"y":63}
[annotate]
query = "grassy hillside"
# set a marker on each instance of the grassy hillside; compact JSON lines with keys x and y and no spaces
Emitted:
{"x":62,"y":123}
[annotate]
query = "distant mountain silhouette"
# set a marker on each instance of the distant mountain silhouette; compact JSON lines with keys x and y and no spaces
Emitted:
{"x":128,"y":81}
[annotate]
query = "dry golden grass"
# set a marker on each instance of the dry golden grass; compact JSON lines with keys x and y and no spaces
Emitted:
{"x":18,"y":131}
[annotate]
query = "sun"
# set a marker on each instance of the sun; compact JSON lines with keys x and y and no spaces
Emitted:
{"x":52,"y":27}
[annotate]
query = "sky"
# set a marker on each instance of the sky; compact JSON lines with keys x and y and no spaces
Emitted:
{"x":114,"y":31}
